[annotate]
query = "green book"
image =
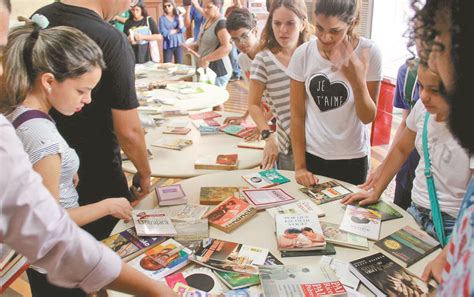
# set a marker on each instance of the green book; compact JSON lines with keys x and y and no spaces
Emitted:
{"x":274,"y":176}
{"x":328,"y":250}
{"x":388,"y":212}
{"x":236,"y":280}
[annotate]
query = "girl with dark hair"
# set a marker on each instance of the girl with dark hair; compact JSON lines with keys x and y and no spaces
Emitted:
{"x":141,"y":29}
{"x":335,"y":83}
{"x":172,"y":28}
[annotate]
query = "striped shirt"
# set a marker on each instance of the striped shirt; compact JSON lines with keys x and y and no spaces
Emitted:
{"x":41,"y":138}
{"x":268,"y":70}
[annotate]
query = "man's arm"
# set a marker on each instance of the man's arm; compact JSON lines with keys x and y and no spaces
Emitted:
{"x":132,"y":141}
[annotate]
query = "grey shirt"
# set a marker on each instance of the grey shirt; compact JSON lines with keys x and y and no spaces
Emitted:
{"x":208,"y":42}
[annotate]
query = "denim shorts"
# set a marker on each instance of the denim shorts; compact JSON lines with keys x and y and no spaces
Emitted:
{"x":424,"y":219}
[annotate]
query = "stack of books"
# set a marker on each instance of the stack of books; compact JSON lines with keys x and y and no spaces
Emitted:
{"x":170,"y":195}
{"x":12,"y":265}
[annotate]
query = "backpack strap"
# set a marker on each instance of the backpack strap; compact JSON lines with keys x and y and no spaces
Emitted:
{"x":28,"y":115}
{"x":435,"y":211}
{"x":411,"y":79}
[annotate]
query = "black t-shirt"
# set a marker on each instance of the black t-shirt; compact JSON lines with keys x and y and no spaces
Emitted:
{"x":91,"y":131}
{"x":142,"y":51}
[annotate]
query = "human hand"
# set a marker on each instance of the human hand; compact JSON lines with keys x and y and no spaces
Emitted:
{"x":202,"y":62}
{"x":363,"y":198}
{"x":372,"y":179}
{"x":251,"y":134}
{"x":355,"y":67}
{"x":435,"y":268}
{"x":140,"y":187}
{"x":270,"y":153}
{"x":306,"y":178}
{"x":119,"y":208}
{"x":75,"y":180}
{"x":137,"y":36}
{"x":234,"y":120}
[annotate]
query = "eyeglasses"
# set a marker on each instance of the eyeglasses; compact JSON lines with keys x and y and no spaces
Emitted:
{"x":243,"y":38}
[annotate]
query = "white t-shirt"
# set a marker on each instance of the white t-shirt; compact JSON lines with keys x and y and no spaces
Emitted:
{"x":333,"y":130}
{"x":244,"y":63}
{"x":449,"y":163}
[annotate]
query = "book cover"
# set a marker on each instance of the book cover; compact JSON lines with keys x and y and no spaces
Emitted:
{"x":385,"y":210}
{"x":204,"y":115}
{"x":265,"y":198}
{"x":183,"y":290}
{"x":174,"y":113}
{"x":384,"y":277}
{"x":215,"y":195}
{"x":187,"y":212}
{"x":128,"y":244}
{"x":142,"y":30}
{"x":265,"y":178}
{"x":172,"y":279}
{"x":236,"y":280}
{"x":328,"y":250}
{"x":162,"y":260}
{"x":342,"y":271}
{"x":177,"y":123}
{"x":6,"y":254}
{"x":299,"y":232}
{"x":173,"y":143}
{"x":191,"y":231}
{"x":301,"y":206}
{"x":235,"y":130}
{"x":229,"y":214}
{"x":12,"y":273}
{"x":257,"y":145}
{"x":254,"y":291}
{"x":334,"y":235}
{"x":208,"y":130}
{"x":12,"y":261}
{"x":212,"y":122}
{"x":210,"y":162}
{"x":407,"y":245}
{"x":361,"y":221}
{"x":177,"y":131}
{"x":326,"y":192}
{"x":204,"y":280}
{"x":229,"y":256}
{"x":229,"y":159}
{"x":152,"y":222}
{"x":301,"y":280}
{"x":170,"y":195}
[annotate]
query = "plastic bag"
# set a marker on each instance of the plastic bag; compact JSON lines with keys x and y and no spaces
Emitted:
{"x":207,"y":75}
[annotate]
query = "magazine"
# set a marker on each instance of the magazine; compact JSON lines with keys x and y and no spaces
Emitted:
{"x":301,"y":232}
{"x":326,"y":192}
{"x":265,"y":178}
{"x":229,"y":214}
{"x":361,"y":221}
{"x":152,"y":222}
{"x":265,"y":198}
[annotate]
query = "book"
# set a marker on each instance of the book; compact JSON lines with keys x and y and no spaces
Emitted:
{"x":384,"y":277}
{"x":301,"y":206}
{"x":229,"y":256}
{"x":173,"y":143}
{"x":12,"y":261}
{"x":237,"y":280}
{"x":183,"y":290}
{"x":215,"y":195}
{"x":142,"y":30}
{"x":301,"y":232}
{"x":191,"y":231}
{"x":229,"y":214}
{"x":204,"y":280}
{"x":212,"y":122}
{"x":177,"y":131}
{"x":334,"y":235}
{"x":258,"y":145}
{"x":361,"y":221}
{"x":152,"y":222}
{"x":385,"y":210}
{"x":265,"y":198}
{"x":170,"y":195}
{"x":12,"y":273}
{"x":6,"y":254}
{"x":127,"y":244}
{"x":342,"y":271}
{"x":254,"y":291}
{"x":162,"y":260}
{"x":328,"y":250}
{"x":174,"y":113}
{"x":235,"y":130}
{"x":204,"y":128}
{"x":172,"y":279}
{"x":204,"y":115}
{"x":187,"y":212}
{"x":326,"y":192}
{"x":407,"y":245}
{"x":265,"y":178}
{"x":301,"y":280}
{"x":177,"y":123}
{"x":219,"y":162}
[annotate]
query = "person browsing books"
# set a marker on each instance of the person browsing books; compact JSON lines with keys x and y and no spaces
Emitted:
{"x":286,"y":28}
{"x":172,"y":28}
{"x":335,"y":82}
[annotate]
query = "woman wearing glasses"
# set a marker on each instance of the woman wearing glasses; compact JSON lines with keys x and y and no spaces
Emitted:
{"x":172,"y":28}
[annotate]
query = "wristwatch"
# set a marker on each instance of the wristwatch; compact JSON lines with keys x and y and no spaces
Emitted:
{"x":265,"y":134}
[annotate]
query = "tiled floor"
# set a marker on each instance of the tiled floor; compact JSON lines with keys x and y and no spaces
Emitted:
{"x":236,"y":103}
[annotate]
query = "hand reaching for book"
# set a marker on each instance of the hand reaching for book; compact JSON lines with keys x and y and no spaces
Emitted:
{"x":119,"y":208}
{"x":435,"y":268}
{"x":372,"y":179}
{"x":305,"y":177}
{"x":270,"y":153}
{"x":363,"y":198}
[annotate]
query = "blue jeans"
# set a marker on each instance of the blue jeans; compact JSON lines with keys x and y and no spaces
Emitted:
{"x":222,"y":81}
{"x":177,"y":52}
{"x":233,"y":60}
{"x":424,"y":219}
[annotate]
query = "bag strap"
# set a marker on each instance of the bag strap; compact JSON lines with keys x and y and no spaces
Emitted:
{"x":29,"y":115}
{"x":411,"y":79}
{"x":148,"y":22}
{"x":435,"y":211}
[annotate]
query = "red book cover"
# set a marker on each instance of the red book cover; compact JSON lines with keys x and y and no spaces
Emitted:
{"x":324,"y":289}
{"x":204,"y":115}
{"x":172,"y":280}
{"x":230,"y":159}
{"x":212,"y":122}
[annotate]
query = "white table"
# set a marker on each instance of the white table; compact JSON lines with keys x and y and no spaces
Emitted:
{"x":259,"y":230}
{"x":171,"y":98}
{"x":172,"y":163}
{"x":150,"y":72}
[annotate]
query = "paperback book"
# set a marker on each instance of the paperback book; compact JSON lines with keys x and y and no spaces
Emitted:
{"x":230,"y":213}
{"x":215,"y":195}
{"x":174,"y":113}
{"x":257,"y":145}
{"x":152,"y":222}
{"x":385,"y":210}
{"x":407,"y":245}
{"x":328,"y":250}
{"x":127,"y":244}
{"x":265,"y":198}
{"x":191,"y":231}
{"x":235,"y":130}
{"x":177,"y":123}
{"x":173,"y":143}
{"x":342,"y":271}
{"x":334,"y":235}
{"x":361,"y":221}
{"x":162,"y":260}
{"x":13,"y":271}
{"x":204,"y":115}
{"x":186,"y":212}
{"x":237,"y":280}
{"x":300,"y":232}
{"x":229,"y":256}
{"x":219,"y":162}
{"x":265,"y":179}
{"x":176,"y":131}
{"x":170,"y":195}
{"x":204,"y":280}
{"x":299,"y":207}
{"x":326,"y":192}
{"x":301,"y":280}
{"x":383,"y":277}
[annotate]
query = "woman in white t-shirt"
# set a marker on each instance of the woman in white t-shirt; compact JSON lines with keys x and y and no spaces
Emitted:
{"x":449,"y":161}
{"x":335,"y":83}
